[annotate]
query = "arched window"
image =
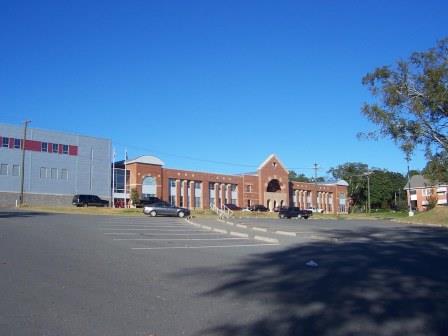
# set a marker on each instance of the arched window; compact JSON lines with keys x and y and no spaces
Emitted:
{"x":273,"y":186}
{"x":149,"y":187}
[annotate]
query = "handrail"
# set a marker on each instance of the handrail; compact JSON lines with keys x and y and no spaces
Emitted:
{"x":223,"y":212}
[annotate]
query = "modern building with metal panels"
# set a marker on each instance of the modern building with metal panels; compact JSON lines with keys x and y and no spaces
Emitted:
{"x":57,"y":166}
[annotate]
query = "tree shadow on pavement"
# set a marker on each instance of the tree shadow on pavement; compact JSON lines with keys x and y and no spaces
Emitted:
{"x":369,"y":282}
{"x":20,"y":214}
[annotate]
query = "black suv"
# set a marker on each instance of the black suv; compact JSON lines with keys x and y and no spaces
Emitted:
{"x":89,"y":200}
{"x":258,"y":207}
{"x":294,"y":212}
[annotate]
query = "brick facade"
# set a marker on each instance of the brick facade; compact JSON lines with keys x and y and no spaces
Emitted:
{"x":269,"y":186}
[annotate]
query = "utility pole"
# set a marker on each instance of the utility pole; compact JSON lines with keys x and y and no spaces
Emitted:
{"x":368,"y":191}
{"x":22,"y":170}
{"x":113,"y":179}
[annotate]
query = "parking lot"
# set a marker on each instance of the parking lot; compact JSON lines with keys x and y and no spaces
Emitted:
{"x":109,"y":275}
{"x":163,"y":233}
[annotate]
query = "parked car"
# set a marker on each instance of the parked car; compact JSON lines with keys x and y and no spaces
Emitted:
{"x":258,"y":207}
{"x":89,"y":200}
{"x":316,"y":210}
{"x":294,"y":212}
{"x":165,"y":209}
{"x":232,"y":207}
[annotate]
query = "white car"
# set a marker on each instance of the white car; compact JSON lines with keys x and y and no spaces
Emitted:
{"x":316,"y":210}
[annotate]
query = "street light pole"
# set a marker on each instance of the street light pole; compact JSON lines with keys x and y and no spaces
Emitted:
{"x":22,"y":170}
{"x":411,"y":213}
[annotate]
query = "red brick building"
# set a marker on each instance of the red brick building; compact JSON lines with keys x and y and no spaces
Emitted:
{"x":269,"y":186}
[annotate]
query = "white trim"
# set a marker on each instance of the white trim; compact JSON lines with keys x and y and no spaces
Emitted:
{"x":265,"y":162}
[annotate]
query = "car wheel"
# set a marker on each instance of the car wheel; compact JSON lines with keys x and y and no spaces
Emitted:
{"x":181,"y":214}
{"x":153,"y":213}
{"x":306,"y":217}
{"x":145,"y":211}
{"x":86,"y":205}
{"x":281,"y":216}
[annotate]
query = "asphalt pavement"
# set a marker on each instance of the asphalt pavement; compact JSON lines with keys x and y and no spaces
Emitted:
{"x":108,"y":275}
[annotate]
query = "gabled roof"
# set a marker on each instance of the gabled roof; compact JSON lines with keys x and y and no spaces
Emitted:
{"x":419,"y":181}
{"x":147,"y":159}
{"x":272,"y":156}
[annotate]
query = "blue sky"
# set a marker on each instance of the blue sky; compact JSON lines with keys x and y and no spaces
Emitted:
{"x":201,"y":82}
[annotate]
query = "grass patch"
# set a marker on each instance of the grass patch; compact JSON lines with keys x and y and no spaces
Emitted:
{"x":87,"y":211}
{"x":438,"y":215}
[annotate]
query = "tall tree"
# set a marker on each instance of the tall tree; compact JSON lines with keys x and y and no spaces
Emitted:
{"x":412,"y":96}
{"x":354,"y":174}
{"x":436,"y":168}
{"x":293,"y":176}
{"x":386,"y":188}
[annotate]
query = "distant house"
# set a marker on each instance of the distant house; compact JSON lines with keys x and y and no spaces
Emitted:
{"x":420,"y":190}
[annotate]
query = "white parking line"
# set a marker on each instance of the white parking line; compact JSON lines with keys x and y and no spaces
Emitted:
{"x":153,"y":229}
{"x":169,"y":239}
{"x":164,"y":234}
{"x":200,"y":247}
{"x":145,"y":225}
{"x":142,"y":226}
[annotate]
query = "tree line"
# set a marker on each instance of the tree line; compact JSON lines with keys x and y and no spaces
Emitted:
{"x":386,"y":187}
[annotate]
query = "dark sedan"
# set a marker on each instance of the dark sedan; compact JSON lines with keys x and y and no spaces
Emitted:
{"x":165,"y":209}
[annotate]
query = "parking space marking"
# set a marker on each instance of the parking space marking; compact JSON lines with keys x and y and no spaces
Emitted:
{"x":154,"y":229}
{"x":163,"y":234}
{"x":143,"y":227}
{"x":201,"y":247}
{"x":170,"y":239}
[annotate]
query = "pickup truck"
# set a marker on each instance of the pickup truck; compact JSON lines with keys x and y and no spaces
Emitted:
{"x":294,"y":212}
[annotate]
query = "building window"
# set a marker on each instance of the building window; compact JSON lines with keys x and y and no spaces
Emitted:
{"x":54,"y":173}
{"x":63,"y":174}
{"x":197,"y":185}
{"x":15,"y":170}
{"x":149,"y":187}
{"x":3,"y":168}
{"x":172,"y":183}
{"x":43,"y":172}
{"x":55,"y":148}
{"x":248,"y":188}
{"x":64,"y":149}
{"x":211,"y":186}
{"x":197,"y":202}
{"x":173,"y":199}
{"x":427,"y":192}
{"x":234,"y":201}
{"x":413,"y":192}
{"x":233,"y":187}
{"x":5,"y":142}
{"x":17,"y":143}
{"x":44,"y":147}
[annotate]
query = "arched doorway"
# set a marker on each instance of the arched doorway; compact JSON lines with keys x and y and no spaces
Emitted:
{"x":273,"y":186}
{"x":149,"y":187}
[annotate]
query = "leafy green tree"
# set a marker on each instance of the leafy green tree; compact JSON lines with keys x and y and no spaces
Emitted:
{"x":386,"y":188}
{"x":412,"y":106}
{"x":134,"y":196}
{"x":436,"y":168}
{"x":293,"y":176}
{"x":354,"y":174}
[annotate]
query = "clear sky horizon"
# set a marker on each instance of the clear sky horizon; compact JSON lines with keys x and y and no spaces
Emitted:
{"x":212,"y":85}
